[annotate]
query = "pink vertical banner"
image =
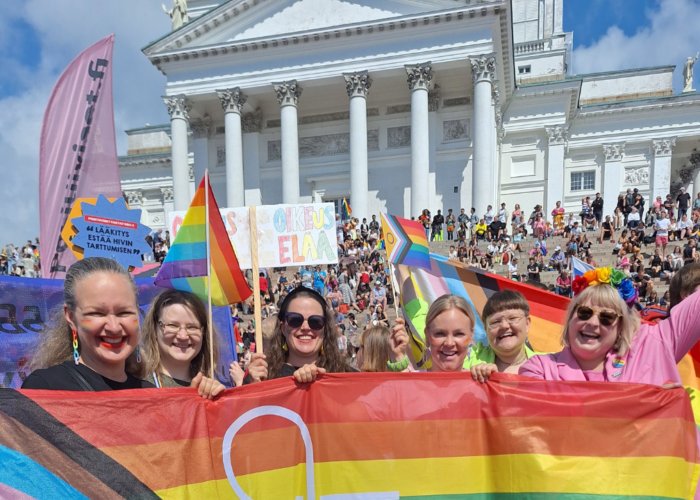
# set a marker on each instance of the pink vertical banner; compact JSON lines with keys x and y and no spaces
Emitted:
{"x":78,"y":157}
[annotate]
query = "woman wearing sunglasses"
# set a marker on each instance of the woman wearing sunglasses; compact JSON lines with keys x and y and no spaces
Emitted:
{"x":304,"y":344}
{"x":176,"y":343}
{"x":506,"y":316}
{"x":604,"y":341}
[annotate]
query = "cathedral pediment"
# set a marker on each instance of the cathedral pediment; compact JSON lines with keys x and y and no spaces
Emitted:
{"x":240,"y":20}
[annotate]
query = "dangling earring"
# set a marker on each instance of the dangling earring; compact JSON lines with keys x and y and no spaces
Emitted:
{"x":76,"y":354}
{"x":284,"y":346}
{"x":138,"y":353}
{"x":321,"y":349}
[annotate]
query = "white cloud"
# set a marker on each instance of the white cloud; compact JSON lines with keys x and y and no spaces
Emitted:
{"x":671,"y":38}
{"x":64,"y":29}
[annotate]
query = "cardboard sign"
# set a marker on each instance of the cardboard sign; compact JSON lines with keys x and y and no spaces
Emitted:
{"x":288,"y":235}
{"x":113,"y":231}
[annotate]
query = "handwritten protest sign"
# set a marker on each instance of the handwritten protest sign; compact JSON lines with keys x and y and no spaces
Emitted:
{"x":288,"y":235}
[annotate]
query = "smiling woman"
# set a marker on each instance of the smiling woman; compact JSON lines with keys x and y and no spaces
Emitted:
{"x":94,"y":345}
{"x":449,"y":328}
{"x":176,"y":343}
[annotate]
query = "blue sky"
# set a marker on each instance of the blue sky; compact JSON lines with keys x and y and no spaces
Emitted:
{"x":38,"y":38}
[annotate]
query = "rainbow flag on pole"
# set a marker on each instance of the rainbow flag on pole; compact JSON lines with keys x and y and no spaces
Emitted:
{"x":406,"y":242}
{"x":513,"y":438}
{"x":346,"y":209}
{"x":185,"y":266}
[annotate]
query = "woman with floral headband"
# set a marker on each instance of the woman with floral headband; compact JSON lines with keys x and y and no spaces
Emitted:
{"x":604,"y":341}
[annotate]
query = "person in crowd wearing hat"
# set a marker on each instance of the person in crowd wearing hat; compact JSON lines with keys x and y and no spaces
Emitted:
{"x":378,"y":295}
{"x":176,"y":346}
{"x":93,"y":345}
{"x":556,"y":261}
{"x":506,"y":318}
{"x":305,"y":340}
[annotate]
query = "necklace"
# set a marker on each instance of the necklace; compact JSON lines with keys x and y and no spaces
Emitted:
{"x":516,"y":363}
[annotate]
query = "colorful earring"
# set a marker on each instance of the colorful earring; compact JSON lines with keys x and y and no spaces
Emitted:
{"x":284,"y":346}
{"x":138,"y":353}
{"x":76,"y":354}
{"x":321,"y":349}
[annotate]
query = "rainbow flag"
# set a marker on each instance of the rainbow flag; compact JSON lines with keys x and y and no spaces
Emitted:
{"x":419,"y":287}
{"x":185,"y":266}
{"x":513,"y":438}
{"x":405,"y":241}
{"x":346,"y":209}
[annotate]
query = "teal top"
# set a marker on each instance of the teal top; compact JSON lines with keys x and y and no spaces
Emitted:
{"x":481,"y":354}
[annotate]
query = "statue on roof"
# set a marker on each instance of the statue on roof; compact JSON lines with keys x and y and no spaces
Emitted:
{"x":178,"y":13}
{"x":688,"y":73}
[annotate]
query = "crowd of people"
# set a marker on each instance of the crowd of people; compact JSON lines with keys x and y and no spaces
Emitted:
{"x":21,"y":260}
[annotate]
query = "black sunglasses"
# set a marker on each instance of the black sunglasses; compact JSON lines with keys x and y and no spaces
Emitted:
{"x":607,"y":318}
{"x":295,"y":320}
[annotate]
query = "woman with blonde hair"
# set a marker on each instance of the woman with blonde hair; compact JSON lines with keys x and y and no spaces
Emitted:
{"x":449,"y":329}
{"x":384,"y":350}
{"x":176,"y":344}
{"x":604,"y":342}
{"x":94,"y":345}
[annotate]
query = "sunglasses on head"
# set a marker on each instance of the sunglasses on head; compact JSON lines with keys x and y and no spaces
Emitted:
{"x":607,"y":318}
{"x":295,"y":320}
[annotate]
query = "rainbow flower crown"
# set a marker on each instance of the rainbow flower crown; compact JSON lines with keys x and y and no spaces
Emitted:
{"x":609,"y":276}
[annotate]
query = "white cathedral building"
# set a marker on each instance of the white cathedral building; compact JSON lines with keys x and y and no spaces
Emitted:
{"x":401,"y":105}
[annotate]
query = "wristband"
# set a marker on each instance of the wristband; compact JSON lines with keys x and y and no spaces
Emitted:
{"x":398,"y":367}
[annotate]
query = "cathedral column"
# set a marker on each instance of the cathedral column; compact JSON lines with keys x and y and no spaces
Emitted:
{"x":232,"y":100}
{"x":252,"y":125}
{"x":612,"y":176}
{"x":556,"y":136}
{"x":661,"y":171}
{"x":201,"y":131}
{"x":695,"y":162}
{"x":178,"y":109}
{"x":419,"y":78}
{"x":483,"y":68}
{"x":357,"y":85}
{"x":288,"y":96}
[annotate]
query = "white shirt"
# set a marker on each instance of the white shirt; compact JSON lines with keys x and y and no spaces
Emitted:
{"x":661,"y":226}
{"x":633,"y":216}
{"x":684,"y":224}
{"x":502,"y":215}
{"x":512,"y":268}
{"x":488,"y":217}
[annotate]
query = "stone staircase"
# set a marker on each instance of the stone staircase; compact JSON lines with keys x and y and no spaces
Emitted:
{"x":602,"y":254}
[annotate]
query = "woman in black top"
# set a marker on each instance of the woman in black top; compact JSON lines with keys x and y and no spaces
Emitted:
{"x":655,"y":264}
{"x":94,"y":345}
{"x":304,"y":343}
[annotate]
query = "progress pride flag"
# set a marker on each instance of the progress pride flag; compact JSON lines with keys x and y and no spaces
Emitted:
{"x":78,"y":157}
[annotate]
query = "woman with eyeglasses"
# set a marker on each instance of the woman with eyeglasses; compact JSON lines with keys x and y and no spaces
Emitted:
{"x":604,"y":341}
{"x":506,"y":316}
{"x":304,"y":344}
{"x":176,"y":344}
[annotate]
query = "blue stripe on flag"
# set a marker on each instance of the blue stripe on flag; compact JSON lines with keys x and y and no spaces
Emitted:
{"x":580,"y":267}
{"x":27,"y":476}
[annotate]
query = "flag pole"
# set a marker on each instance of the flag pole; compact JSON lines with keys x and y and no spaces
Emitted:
{"x":256,"y":280}
{"x":210,"y":320}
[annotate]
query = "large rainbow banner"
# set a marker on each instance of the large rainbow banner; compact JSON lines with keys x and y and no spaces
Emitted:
{"x":353,"y":437}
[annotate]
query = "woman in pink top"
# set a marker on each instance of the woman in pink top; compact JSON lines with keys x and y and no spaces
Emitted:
{"x":604,"y":341}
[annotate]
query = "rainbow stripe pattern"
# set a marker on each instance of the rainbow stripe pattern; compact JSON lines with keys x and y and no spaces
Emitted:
{"x":406,"y":242}
{"x":419,"y":287}
{"x":346,"y":437}
{"x":346,"y":209}
{"x":185,"y":265}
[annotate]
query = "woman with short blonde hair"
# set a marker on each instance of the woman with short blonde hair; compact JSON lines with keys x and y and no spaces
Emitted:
{"x":604,"y":341}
